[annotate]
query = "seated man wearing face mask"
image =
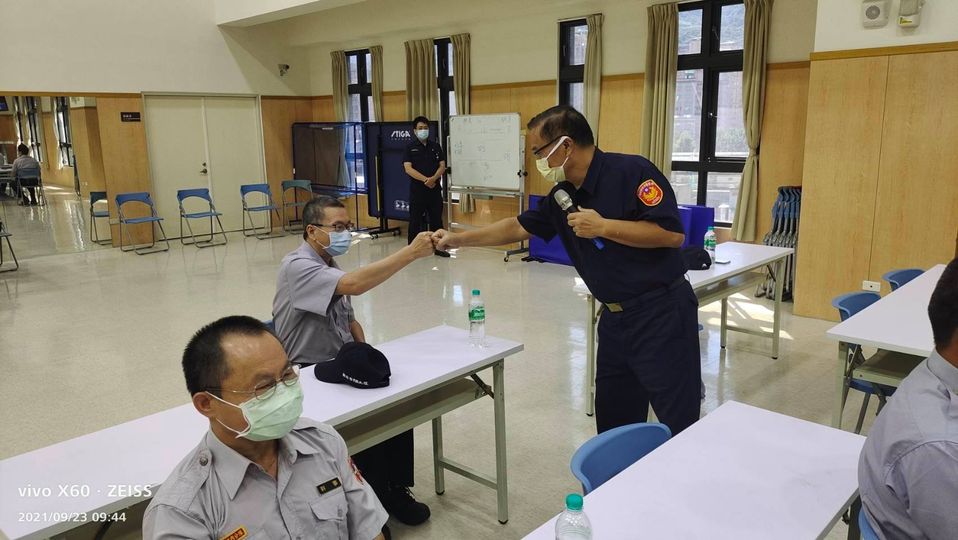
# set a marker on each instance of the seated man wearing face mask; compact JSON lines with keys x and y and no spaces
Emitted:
{"x":424,"y":163}
{"x":261,"y":471}
{"x":314,"y":319}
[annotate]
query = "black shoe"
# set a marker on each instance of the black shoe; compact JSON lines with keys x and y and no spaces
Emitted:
{"x":400,"y":504}
{"x":441,"y":253}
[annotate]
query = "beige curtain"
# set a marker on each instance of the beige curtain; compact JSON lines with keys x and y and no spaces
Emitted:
{"x":592,"y":78}
{"x":661,"y":61}
{"x":758,"y":19}
{"x":461,"y":54}
{"x":376,"y":52}
{"x":340,"y":82}
{"x":421,"y":93}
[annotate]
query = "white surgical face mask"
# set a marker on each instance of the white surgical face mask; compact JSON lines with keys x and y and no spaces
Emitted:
{"x":422,"y":134}
{"x":554,"y":174}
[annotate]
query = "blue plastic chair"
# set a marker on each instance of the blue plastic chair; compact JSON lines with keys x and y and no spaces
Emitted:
{"x":204,"y":194}
{"x":295,"y":186}
{"x":97,"y":197}
{"x":4,"y":234}
{"x":897,"y":278}
{"x":865,"y":526}
{"x":155,"y":221}
{"x":267,"y":231}
{"x":611,"y":452}
{"x":30,"y":178}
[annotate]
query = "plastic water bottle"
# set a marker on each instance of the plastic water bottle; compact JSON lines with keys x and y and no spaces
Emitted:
{"x":709,"y":243}
{"x":477,"y":320}
{"x":573,"y":524}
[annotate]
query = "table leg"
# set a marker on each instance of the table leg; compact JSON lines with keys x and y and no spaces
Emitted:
{"x":723,"y":332}
{"x":590,"y":358}
{"x":840,"y":385}
{"x":779,"y":290}
{"x":437,"y":455}
{"x":854,"y":533}
{"x":502,"y":485}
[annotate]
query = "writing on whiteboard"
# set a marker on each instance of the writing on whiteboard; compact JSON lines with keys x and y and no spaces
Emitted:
{"x":485,"y":150}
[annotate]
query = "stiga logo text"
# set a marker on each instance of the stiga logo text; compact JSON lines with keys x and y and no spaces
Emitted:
{"x":401,"y":134}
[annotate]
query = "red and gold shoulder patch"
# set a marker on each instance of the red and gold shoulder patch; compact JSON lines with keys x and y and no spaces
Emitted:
{"x":238,"y":534}
{"x":356,"y":473}
{"x":649,"y":193}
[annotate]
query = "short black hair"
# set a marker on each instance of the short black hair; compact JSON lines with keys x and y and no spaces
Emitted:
{"x":23,"y":149}
{"x":313,"y":212}
{"x":563,"y":120}
{"x":419,"y":119}
{"x":204,"y":362}
{"x":943,"y":307}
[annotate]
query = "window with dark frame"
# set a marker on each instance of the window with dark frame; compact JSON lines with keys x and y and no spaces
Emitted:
{"x":572,"y":42}
{"x":359,"y":71}
{"x":64,"y":137}
{"x":444,"y":83}
{"x":32,"y":109}
{"x":708,"y":140}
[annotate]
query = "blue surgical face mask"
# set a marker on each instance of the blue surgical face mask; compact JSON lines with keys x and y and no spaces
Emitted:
{"x":422,"y":134}
{"x":339,"y":243}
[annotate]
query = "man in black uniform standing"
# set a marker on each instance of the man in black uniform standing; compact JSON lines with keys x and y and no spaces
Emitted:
{"x":623,"y":237}
{"x":425,"y":163}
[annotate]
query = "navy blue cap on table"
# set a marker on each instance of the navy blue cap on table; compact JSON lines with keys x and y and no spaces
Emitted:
{"x":356,"y":364}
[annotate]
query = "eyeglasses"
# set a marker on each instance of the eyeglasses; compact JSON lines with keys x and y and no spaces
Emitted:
{"x":536,"y":151}
{"x":338,"y":227}
{"x":265,"y":390}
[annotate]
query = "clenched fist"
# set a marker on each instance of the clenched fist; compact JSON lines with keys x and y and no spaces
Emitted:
{"x":586,"y":223}
{"x":444,"y":240}
{"x":422,"y":246}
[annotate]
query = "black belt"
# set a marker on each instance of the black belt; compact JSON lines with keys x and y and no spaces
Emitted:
{"x":616,"y":307}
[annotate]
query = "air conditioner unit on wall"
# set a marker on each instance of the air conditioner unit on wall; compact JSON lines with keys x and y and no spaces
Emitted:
{"x":875,"y":13}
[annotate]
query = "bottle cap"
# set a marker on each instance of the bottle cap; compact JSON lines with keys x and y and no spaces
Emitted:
{"x":711,"y":228}
{"x":475,"y":292}
{"x":573,"y":501}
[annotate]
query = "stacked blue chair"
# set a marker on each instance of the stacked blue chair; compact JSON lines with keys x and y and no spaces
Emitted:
{"x":611,"y":452}
{"x":294,"y":186}
{"x":897,"y":278}
{"x":155,"y":222}
{"x":210,"y":213}
{"x":98,"y":197}
{"x":870,"y":375}
{"x":248,"y":210}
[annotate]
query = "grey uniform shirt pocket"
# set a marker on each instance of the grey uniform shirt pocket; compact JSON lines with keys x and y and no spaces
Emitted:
{"x":330,"y":513}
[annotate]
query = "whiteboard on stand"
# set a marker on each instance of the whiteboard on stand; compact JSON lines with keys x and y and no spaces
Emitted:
{"x":485,"y":151}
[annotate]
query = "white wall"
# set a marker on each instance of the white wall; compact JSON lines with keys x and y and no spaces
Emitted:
{"x":515,"y":48}
{"x":139,"y":45}
{"x":839,"y":26}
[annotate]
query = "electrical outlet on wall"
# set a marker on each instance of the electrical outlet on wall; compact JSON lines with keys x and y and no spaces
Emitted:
{"x":873,"y":286}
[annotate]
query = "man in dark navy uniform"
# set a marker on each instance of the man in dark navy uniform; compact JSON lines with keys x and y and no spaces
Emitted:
{"x":425,"y":163}
{"x":648,"y":342}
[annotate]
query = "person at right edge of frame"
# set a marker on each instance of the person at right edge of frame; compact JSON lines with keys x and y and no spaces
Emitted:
{"x":648,"y":343}
{"x":424,"y":163}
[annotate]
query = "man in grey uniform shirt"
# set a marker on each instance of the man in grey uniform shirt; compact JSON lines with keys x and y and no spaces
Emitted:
{"x":908,"y":472}
{"x":314,"y":319}
{"x":261,"y":471}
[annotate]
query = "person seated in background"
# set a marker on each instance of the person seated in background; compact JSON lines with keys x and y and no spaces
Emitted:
{"x":314,"y":318}
{"x":261,"y":471}
{"x":25,"y":162}
{"x":908,"y":471}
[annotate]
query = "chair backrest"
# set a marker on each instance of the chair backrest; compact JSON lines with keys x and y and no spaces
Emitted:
{"x":269,"y":324}
{"x":865,"y":526}
{"x":203,"y":193}
{"x":97,"y":196}
{"x":897,"y":278}
{"x":138,"y":196}
{"x":611,"y":452}
{"x":297,"y":184}
{"x":246,"y":189}
{"x":851,"y":303}
{"x":29,"y":172}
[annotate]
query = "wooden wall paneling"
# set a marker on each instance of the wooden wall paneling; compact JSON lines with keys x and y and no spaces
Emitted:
{"x":126,"y":164}
{"x":8,"y":135}
{"x":279,"y":114}
{"x":53,"y":174}
{"x":916,"y":212}
{"x":620,"y":113}
{"x":322,"y":107}
{"x":840,"y":173}
{"x":86,"y":146}
{"x":783,"y":138}
{"x":394,"y":107}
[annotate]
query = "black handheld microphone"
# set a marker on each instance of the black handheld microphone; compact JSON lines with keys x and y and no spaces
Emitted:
{"x":565,"y":203}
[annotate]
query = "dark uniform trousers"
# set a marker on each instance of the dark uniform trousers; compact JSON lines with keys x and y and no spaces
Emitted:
{"x":649,"y":354}
{"x":424,"y":202}
{"x":389,"y":462}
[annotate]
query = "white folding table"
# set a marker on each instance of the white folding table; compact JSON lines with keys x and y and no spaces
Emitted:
{"x":898,"y":323}
{"x":739,"y":473}
{"x":433,"y":372}
{"x":717,"y":283}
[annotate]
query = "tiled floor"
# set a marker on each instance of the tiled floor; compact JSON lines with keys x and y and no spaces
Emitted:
{"x":93,"y":338}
